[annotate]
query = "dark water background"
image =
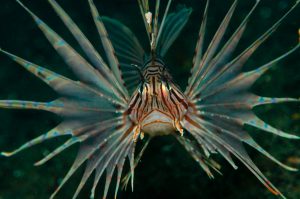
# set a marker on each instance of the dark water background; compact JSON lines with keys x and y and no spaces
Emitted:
{"x":166,"y":170}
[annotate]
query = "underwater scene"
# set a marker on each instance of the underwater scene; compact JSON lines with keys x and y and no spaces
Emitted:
{"x":167,"y":167}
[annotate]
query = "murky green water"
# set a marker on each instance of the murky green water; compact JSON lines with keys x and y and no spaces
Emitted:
{"x":166,"y":170}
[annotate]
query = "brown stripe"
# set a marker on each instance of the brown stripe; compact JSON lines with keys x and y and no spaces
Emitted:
{"x":182,"y":101}
{"x":138,"y":107}
{"x":133,"y":104}
{"x":171,"y":98}
{"x":193,"y":122}
{"x":153,"y":84}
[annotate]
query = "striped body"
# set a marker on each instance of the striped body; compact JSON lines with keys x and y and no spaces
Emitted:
{"x":157,"y":106}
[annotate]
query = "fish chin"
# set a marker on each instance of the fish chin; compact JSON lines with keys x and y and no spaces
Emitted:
{"x":158,"y":123}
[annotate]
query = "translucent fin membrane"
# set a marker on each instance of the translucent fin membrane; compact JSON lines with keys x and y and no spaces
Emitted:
{"x":128,"y":50}
{"x":174,"y":24}
{"x":107,"y":45}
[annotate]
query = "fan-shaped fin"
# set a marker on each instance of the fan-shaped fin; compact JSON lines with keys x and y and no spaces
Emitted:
{"x":172,"y":27}
{"x":204,"y":145}
{"x":128,"y":50}
{"x":221,"y":103}
{"x":122,"y":38}
{"x":90,"y":110}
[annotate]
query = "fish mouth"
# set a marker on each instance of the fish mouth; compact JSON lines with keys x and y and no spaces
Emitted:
{"x":157,"y":122}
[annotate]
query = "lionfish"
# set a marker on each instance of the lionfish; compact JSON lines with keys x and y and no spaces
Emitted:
{"x":132,"y":96}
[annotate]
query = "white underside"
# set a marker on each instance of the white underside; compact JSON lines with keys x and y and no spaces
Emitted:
{"x":157,"y":123}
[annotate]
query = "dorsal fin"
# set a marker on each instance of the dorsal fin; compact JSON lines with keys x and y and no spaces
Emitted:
{"x":174,"y":24}
{"x":161,"y":36}
{"x":128,"y":50}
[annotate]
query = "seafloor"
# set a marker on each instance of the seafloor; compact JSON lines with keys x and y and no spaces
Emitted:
{"x":166,"y":170}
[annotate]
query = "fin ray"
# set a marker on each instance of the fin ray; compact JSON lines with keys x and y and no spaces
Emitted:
{"x":107,"y":45}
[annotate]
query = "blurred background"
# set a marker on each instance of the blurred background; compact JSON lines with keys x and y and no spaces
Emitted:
{"x":166,"y":170}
